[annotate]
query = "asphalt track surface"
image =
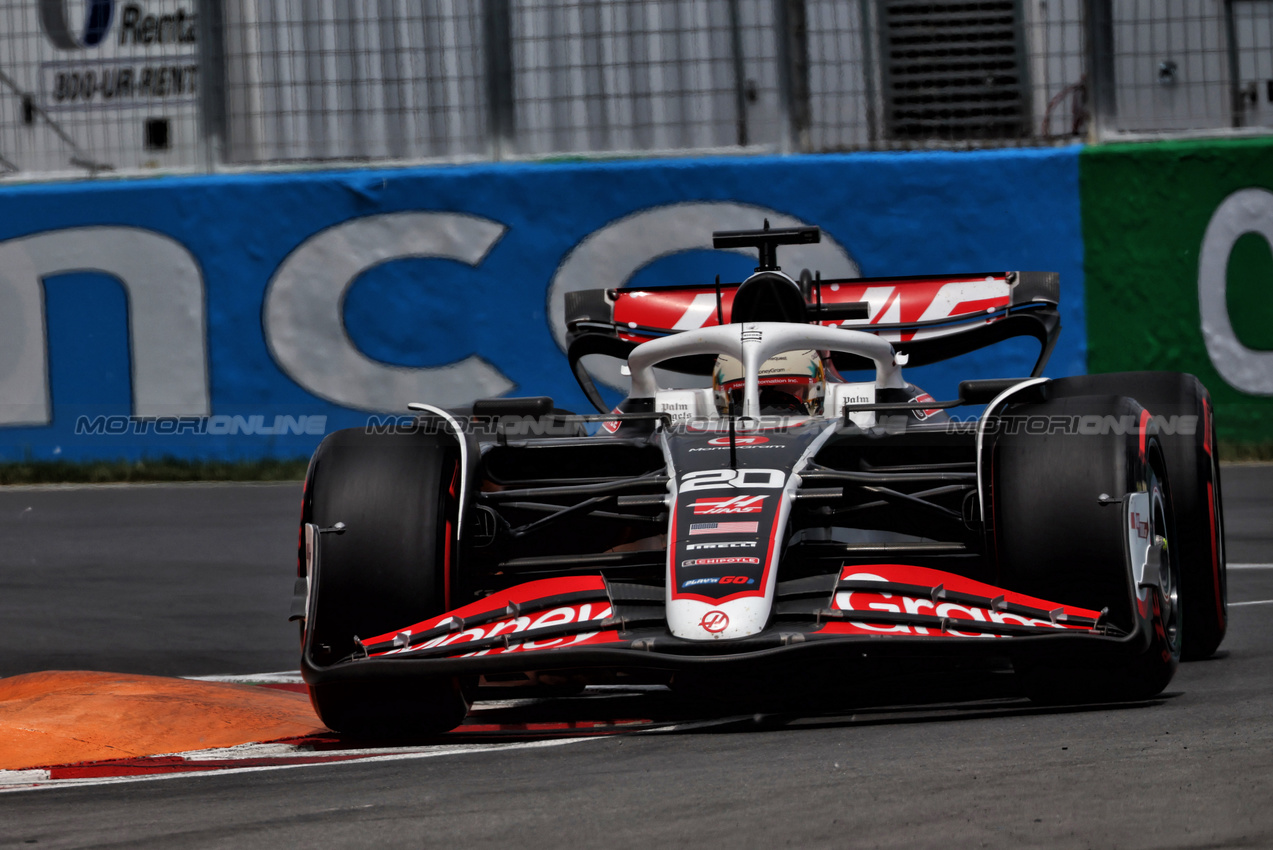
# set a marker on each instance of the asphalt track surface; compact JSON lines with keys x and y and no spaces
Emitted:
{"x":195,"y":580}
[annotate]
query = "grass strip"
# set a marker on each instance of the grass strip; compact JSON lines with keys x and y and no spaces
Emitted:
{"x":1246,"y":452}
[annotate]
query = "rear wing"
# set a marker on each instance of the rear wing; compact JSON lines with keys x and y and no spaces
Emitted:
{"x":926,"y":318}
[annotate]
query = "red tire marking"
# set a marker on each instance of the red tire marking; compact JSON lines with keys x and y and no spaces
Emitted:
{"x":1215,"y":555}
{"x":446,"y":568}
{"x":1144,"y":420}
{"x":1208,"y":441}
{"x":448,"y":532}
{"x":1206,"y":426}
{"x":994,"y":517}
{"x":300,"y":533}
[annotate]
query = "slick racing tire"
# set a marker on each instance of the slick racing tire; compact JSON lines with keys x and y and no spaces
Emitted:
{"x":1056,"y":538}
{"x":387,"y":568}
{"x":1193,"y":465}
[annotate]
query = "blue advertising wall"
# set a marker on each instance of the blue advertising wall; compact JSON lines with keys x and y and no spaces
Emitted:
{"x":247,"y":315}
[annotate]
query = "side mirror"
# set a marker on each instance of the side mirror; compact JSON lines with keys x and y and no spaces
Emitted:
{"x":985,"y":391}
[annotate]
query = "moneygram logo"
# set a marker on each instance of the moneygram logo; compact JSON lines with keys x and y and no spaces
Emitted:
{"x":76,"y":25}
{"x":738,"y":441}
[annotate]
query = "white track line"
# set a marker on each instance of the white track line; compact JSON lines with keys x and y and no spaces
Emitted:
{"x":140,"y":485}
{"x":36,"y":780}
{"x":287,"y":677}
{"x":1256,"y":602}
{"x":1250,"y":566}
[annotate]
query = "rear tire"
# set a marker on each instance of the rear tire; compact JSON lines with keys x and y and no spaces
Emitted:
{"x":1056,"y":540}
{"x":1193,"y":465}
{"x":387,"y":569}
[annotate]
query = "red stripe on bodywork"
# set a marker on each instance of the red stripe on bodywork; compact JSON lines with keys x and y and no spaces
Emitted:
{"x":522,"y":593}
{"x":662,"y":310}
{"x":638,"y":313}
{"x":984,"y":305}
{"x":929,"y":580}
{"x":927,"y":577}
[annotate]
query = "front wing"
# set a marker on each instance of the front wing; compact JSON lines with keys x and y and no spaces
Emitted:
{"x":586,"y":623}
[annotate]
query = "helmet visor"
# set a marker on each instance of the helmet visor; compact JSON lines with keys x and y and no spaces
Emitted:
{"x":779,"y":394}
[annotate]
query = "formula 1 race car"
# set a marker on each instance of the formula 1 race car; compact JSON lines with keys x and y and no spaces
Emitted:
{"x":749,"y":517}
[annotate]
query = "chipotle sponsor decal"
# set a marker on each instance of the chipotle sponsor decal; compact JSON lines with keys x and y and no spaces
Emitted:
{"x":711,"y":562}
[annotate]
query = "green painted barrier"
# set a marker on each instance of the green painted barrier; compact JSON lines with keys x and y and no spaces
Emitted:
{"x":1179,"y":269}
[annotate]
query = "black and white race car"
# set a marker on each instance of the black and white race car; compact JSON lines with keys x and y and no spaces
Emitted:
{"x":749,"y":515}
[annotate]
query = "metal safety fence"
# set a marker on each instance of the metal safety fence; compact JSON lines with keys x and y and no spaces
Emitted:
{"x":140,"y":86}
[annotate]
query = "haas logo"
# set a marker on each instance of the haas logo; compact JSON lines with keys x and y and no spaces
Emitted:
{"x":714,"y":621}
{"x":734,"y":505}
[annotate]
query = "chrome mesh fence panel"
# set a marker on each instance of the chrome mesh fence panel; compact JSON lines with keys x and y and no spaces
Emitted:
{"x":952,"y":70}
{"x":1171,"y":71}
{"x":842,"y":80}
{"x":1056,"y":45}
{"x":907,"y":73}
{"x":1253,"y":31}
{"x":643,"y":75}
{"x":315,"y":80}
{"x":140,"y":86}
{"x":87,"y":85}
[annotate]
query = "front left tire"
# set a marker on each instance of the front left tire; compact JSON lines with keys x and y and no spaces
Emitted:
{"x":388,"y":568}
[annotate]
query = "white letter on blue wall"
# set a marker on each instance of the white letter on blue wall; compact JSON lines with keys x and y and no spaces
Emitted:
{"x":306,"y":332}
{"x":166,"y":318}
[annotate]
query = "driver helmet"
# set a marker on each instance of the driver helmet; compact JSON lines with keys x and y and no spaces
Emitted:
{"x":790,"y":383}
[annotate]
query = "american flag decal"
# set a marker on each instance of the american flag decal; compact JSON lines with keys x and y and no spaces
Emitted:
{"x":723,"y":527}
